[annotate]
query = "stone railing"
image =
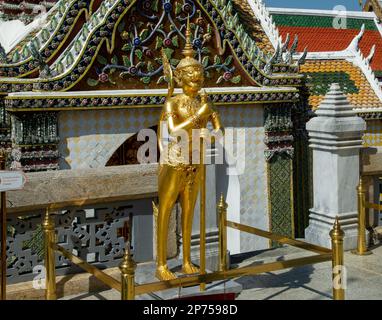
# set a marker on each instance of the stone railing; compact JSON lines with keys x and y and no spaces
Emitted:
{"x":92,"y":208}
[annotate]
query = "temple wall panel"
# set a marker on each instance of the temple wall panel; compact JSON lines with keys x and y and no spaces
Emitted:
{"x":373,"y":135}
{"x":251,"y":197}
{"x":89,"y":138}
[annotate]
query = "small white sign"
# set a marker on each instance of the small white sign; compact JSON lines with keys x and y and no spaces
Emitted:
{"x":11,"y":180}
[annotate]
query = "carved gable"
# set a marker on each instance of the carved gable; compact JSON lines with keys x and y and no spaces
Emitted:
{"x":151,"y":26}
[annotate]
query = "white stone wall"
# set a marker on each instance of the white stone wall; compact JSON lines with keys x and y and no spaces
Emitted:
{"x":89,"y":138}
{"x":247,"y":196}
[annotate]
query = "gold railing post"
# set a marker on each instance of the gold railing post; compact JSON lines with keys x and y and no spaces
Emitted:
{"x":222,"y":209}
{"x":127,"y":268}
{"x":202,"y":213}
{"x":3,"y":230}
{"x":50,"y":266}
{"x":361,"y":241}
{"x":338,"y":271}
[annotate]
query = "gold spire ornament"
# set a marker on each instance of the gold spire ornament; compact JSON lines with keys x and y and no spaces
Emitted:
{"x":188,"y":51}
{"x":179,"y":177}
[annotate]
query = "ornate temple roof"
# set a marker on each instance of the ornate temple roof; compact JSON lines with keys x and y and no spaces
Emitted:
{"x":350,"y":56}
{"x":47,"y":39}
{"x":308,"y":24}
{"x":24,"y":10}
{"x":119,"y":45}
{"x":253,"y":24}
{"x":353,"y":82}
{"x":374,"y":5}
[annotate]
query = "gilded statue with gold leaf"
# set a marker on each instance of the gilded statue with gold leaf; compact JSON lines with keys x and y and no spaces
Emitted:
{"x":179,"y":178}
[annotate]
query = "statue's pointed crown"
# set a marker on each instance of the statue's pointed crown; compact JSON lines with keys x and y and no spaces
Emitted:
{"x":188,"y":51}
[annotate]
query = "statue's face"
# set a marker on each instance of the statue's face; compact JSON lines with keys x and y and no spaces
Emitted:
{"x":192,"y":78}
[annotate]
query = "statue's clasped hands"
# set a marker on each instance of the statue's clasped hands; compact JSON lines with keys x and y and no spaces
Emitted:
{"x":205,"y":108}
{"x":205,"y":111}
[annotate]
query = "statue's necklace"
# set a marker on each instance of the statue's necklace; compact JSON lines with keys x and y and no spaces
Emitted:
{"x":190,"y":106}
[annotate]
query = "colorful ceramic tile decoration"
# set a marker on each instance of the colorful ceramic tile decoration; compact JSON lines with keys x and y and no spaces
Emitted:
{"x":318,"y":33}
{"x":373,"y":135}
{"x":43,"y":43}
{"x":322,"y":73}
{"x":24,"y":10}
{"x":231,"y":51}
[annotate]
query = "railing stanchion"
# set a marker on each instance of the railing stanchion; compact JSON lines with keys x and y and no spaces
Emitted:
{"x":222,"y":209}
{"x":361,"y":240}
{"x":50,"y":266}
{"x":127,"y":268}
{"x":338,"y":271}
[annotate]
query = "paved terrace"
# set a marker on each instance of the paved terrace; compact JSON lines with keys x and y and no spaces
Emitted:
{"x":364,"y":281}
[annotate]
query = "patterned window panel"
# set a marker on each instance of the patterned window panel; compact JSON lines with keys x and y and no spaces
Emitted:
{"x":280,"y":195}
{"x":96,"y":235}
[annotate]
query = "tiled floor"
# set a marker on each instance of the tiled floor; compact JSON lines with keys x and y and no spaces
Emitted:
{"x":313,"y":282}
{"x":364,"y":279}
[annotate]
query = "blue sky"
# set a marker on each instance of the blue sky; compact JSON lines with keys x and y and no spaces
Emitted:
{"x":351,"y":5}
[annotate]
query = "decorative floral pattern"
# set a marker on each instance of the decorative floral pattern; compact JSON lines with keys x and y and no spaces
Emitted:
{"x":278,"y":128}
{"x":148,"y":100}
{"x":161,"y":24}
{"x":227,"y":28}
{"x":35,"y":136}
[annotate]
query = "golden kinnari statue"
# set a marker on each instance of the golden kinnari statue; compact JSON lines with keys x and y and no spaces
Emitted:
{"x":178,"y":178}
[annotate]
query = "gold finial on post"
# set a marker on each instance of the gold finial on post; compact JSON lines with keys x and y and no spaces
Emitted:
{"x":50,"y":266}
{"x":222,"y":209}
{"x":361,"y":240}
{"x":127,"y":268}
{"x":222,"y":204}
{"x":338,"y":267}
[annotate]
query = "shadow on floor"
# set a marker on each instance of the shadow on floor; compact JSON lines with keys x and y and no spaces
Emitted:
{"x":291,"y":279}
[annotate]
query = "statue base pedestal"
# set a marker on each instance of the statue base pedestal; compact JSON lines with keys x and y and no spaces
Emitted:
{"x":217,"y":290}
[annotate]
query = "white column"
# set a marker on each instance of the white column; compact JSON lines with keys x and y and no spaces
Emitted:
{"x":336,"y":138}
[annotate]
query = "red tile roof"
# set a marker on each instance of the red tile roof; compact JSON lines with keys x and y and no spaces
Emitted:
{"x":318,"y":39}
{"x":318,"y":34}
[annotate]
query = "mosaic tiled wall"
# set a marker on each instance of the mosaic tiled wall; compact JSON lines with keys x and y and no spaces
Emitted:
{"x":280,"y":153}
{"x":253,"y":182}
{"x":89,"y":138}
{"x":373,"y":135}
{"x":302,"y":183}
{"x":280,"y":194}
{"x":302,"y":169}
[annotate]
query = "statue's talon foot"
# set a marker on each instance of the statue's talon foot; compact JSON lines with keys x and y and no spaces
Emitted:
{"x":163,"y":274}
{"x":189,"y":268}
